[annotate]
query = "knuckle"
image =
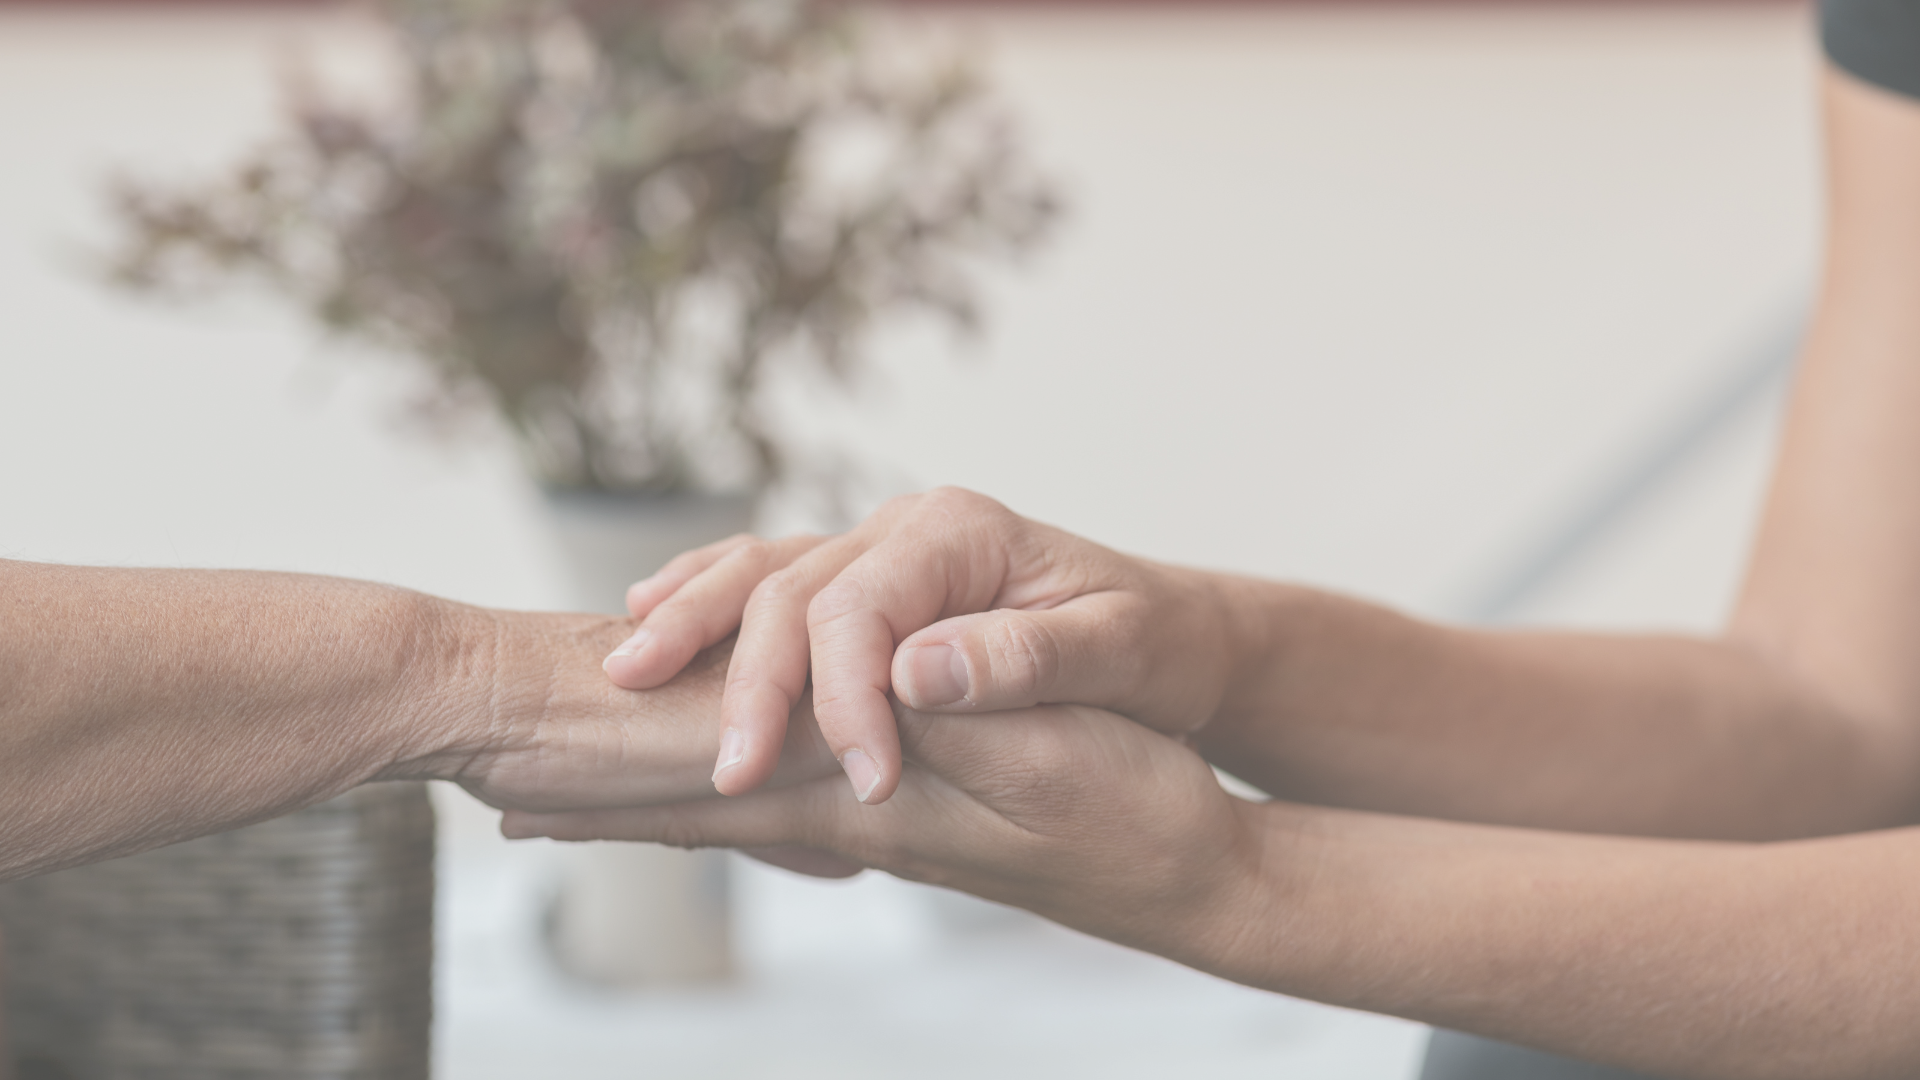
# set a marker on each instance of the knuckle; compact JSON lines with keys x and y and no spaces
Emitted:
{"x":671,"y":614}
{"x":1022,"y":656}
{"x":897,"y":507}
{"x":754,"y":551}
{"x":840,"y":597}
{"x":742,"y":682}
{"x":832,"y":704}
{"x":779,"y":589}
{"x":962,"y":504}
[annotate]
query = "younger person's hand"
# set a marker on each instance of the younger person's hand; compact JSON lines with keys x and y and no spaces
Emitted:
{"x":949,"y":600}
{"x":1070,"y":812}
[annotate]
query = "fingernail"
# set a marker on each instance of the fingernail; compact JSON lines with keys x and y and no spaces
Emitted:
{"x":861,"y":770}
{"x":633,"y":644}
{"x":733,"y":750}
{"x":936,"y":675}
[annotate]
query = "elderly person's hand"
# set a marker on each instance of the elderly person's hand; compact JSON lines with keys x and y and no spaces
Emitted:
{"x":141,"y":707}
{"x":1071,"y":812}
{"x":952,"y":602}
{"x":552,"y":734}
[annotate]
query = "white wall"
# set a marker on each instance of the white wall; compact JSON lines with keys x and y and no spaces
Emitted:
{"x":1365,"y":295}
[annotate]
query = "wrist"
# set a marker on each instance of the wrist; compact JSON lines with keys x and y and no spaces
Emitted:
{"x":521,"y":714}
{"x":515,"y":701}
{"x":454,"y":690}
{"x":1245,"y":615}
{"x":1268,"y":924}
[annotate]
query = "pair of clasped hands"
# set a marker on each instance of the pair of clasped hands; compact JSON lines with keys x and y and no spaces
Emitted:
{"x":1004,"y":702}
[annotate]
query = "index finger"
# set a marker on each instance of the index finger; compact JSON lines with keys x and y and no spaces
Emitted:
{"x":854,"y":624}
{"x":768,"y":671}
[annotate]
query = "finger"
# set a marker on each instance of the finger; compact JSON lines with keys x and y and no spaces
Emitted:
{"x":845,"y":606}
{"x":803,"y":816}
{"x":855,"y":717}
{"x":1087,"y":651}
{"x":644,"y":594}
{"x":702,"y":610}
{"x":855,"y":623}
{"x":768,"y":670}
{"x":803,"y":860}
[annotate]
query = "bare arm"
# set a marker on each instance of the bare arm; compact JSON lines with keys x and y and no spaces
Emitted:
{"x":1683,"y":959}
{"x":1707,"y":959}
{"x":141,"y":707}
{"x":1662,"y":736}
{"x":1803,"y":718}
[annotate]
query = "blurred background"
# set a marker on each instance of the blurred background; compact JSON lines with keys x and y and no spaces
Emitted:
{"x":1474,"y":309}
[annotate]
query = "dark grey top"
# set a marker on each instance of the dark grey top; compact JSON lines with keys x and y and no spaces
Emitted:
{"x":1877,"y":41}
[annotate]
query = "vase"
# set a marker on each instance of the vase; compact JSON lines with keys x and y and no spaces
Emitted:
{"x":299,"y":948}
{"x":633,"y":915}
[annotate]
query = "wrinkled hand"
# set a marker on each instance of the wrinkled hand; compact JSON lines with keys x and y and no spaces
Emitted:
{"x":552,"y":734}
{"x":948,"y":599}
{"x":1074,"y":813}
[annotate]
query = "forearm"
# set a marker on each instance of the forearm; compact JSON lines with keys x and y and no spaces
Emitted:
{"x":1346,"y":704}
{"x":1803,"y":718}
{"x":140,"y":707}
{"x":1678,"y":958}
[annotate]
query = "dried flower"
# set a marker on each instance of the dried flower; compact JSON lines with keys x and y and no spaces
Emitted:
{"x":606,"y":219}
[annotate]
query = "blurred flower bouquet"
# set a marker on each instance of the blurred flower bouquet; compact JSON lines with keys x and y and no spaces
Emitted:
{"x":608,"y":219}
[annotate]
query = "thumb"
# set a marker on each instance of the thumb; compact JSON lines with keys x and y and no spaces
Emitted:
{"x":1086,"y":651}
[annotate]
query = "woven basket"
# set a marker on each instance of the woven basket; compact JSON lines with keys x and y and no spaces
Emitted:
{"x":296,"y":949}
